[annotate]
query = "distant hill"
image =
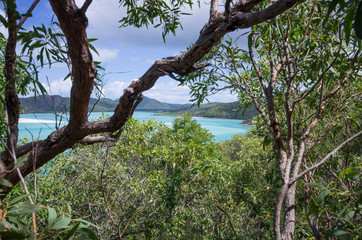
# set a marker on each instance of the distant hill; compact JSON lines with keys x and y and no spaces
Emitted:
{"x":217,"y":110}
{"x":152,"y":105}
{"x":42,"y":104}
{"x":46,"y":103}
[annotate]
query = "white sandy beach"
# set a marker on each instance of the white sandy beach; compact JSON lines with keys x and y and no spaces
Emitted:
{"x":29,"y":120}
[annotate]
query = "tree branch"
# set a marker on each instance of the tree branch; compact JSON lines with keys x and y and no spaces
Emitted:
{"x":27,"y":14}
{"x":98,"y":139}
{"x":296,"y":178}
{"x":227,"y":8}
{"x":213,"y":8}
{"x":321,"y":76}
{"x":85,"y":6}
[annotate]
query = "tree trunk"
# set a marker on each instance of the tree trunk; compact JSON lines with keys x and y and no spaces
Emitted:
{"x":12,"y":102}
{"x":289,"y":214}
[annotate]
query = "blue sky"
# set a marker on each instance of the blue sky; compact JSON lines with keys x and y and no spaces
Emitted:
{"x":126,"y":53}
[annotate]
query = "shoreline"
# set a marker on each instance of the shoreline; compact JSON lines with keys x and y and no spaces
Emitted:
{"x":246,"y":124}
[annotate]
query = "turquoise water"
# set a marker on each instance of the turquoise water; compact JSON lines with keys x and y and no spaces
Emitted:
{"x":40,"y":125}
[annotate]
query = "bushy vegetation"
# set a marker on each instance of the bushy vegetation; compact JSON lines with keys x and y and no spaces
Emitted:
{"x":158,"y":182}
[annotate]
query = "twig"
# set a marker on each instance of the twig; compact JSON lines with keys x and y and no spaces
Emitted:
{"x":105,"y":196}
{"x":134,"y":215}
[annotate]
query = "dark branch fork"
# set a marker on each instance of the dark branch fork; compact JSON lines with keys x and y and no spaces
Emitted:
{"x":73,"y":22}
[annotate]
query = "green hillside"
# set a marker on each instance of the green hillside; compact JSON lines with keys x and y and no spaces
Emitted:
{"x":149,"y":104}
{"x":48,"y":103}
{"x":217,"y":110}
{"x":42,"y":104}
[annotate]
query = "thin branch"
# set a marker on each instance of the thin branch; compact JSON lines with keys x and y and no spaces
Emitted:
{"x":223,"y":211}
{"x":13,"y":155}
{"x":296,"y":178}
{"x":213,"y":8}
{"x":227,"y":8}
{"x":257,"y":70}
{"x":98,"y":139}
{"x":134,"y":215}
{"x":320,"y":78}
{"x":305,"y":33}
{"x":251,"y":94}
{"x":85,"y":6}
{"x":172,"y":76}
{"x":105,"y":196}
{"x":26,"y":16}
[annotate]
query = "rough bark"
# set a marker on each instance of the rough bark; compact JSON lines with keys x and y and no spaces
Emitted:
{"x":12,"y":102}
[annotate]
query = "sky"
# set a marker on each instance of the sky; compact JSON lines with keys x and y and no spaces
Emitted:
{"x":126,"y":53}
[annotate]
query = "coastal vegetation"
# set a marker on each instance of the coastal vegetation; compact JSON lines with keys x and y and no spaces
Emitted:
{"x":295,"y":175}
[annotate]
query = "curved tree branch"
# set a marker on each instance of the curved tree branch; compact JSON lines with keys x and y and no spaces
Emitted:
{"x":74,"y":22}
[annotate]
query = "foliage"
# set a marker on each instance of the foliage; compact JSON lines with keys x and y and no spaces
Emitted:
{"x":160,"y":13}
{"x":17,"y":226}
{"x":352,"y":11}
{"x":158,"y":182}
{"x":49,"y":46}
{"x":303,"y":75}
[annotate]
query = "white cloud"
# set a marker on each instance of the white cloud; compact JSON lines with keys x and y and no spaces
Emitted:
{"x":114,"y":90}
{"x":105,"y":54}
{"x":58,"y":87}
{"x":170,"y":92}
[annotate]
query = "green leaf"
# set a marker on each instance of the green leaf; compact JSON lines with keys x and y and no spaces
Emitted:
{"x":5,"y":224}
{"x":337,"y":233}
{"x":68,"y":75}
{"x":20,"y":162}
{"x":250,"y":40}
{"x":315,"y":185}
{"x":5,"y":182}
{"x":19,"y":224}
{"x":93,"y":49}
{"x":92,"y":39}
{"x":22,"y":208}
{"x":3,"y":21}
{"x":347,"y":171}
{"x":12,"y":235}
{"x":90,"y":234}
{"x":61,"y":224}
{"x":84,"y":222}
{"x":17,"y":199}
{"x":321,"y":197}
{"x":52,"y":215}
{"x":71,"y":232}
{"x":348,"y":25}
{"x":358,"y":21}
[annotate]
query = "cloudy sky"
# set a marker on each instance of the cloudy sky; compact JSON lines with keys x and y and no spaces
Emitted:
{"x":126,"y":53}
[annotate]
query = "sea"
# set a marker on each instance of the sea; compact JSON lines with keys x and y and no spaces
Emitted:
{"x":40,"y":125}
